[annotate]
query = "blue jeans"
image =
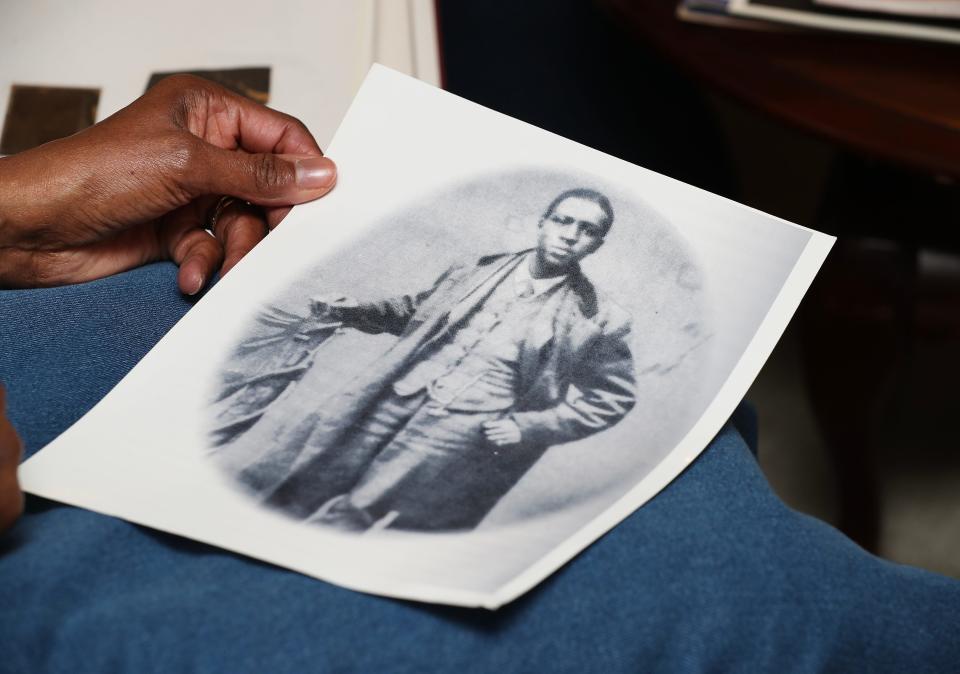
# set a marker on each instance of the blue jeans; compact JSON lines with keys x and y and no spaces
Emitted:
{"x":713,"y":574}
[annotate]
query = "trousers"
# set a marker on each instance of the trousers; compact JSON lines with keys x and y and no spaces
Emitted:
{"x":421,"y":474}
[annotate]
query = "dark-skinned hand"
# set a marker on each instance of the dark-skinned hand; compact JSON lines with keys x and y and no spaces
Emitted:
{"x":141,"y":185}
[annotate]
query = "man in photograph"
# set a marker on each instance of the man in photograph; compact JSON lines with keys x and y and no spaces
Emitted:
{"x":496,"y":362}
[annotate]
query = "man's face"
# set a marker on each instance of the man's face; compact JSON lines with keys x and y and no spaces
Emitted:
{"x":571,"y":232}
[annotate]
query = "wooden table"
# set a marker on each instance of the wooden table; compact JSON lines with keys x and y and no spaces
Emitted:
{"x":895,"y":101}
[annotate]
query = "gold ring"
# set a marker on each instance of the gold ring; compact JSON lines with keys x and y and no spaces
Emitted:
{"x":216,"y":212}
{"x":225,"y":202}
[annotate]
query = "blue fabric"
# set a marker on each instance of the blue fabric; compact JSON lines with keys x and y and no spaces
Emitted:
{"x":714,"y":574}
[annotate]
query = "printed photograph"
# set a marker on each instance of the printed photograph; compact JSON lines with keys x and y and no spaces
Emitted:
{"x":519,"y":346}
{"x":39,"y":114}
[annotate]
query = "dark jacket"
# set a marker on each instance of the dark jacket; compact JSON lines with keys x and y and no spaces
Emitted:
{"x":576,"y":373}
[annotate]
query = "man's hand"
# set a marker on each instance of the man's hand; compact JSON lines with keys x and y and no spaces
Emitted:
{"x":142,"y":184}
{"x":502,"y":432}
{"x":11,"y":498}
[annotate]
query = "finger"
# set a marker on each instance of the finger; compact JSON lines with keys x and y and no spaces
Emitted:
{"x":257,"y":128}
{"x":198,"y":254}
{"x":264,"y":179}
{"x":261,"y":129}
{"x":276,"y":215}
{"x":40,"y":268}
{"x":184,"y":241}
{"x":240,"y":228}
{"x":230,"y":120}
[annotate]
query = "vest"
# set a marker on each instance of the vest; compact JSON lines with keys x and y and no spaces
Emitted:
{"x":476,"y":368}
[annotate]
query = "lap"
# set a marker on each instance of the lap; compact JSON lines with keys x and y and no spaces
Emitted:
{"x":715,"y":573}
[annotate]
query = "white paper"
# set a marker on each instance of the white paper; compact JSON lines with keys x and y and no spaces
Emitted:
{"x":811,"y":18}
{"x":942,"y":9}
{"x":427,"y":179}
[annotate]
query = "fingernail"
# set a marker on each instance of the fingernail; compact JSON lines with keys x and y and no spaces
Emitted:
{"x":197,"y":285}
{"x":315,"y":173}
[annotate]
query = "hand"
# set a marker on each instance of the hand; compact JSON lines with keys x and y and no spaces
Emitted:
{"x":502,"y":432}
{"x":11,"y":498}
{"x":140,"y":186}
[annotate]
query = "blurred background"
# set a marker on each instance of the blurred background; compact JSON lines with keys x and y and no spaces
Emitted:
{"x":774,"y":103}
{"x":852,"y":134}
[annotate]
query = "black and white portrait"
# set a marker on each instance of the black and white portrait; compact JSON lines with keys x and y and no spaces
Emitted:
{"x":507,"y":350}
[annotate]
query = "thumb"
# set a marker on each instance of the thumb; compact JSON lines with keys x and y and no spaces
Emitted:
{"x":266,"y":179}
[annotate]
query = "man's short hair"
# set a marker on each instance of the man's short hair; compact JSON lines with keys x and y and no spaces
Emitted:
{"x":590,"y":195}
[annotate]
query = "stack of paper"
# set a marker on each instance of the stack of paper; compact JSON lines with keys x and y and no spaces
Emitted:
{"x":937,"y":20}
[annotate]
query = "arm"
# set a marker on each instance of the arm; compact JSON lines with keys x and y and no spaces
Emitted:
{"x":390,"y":315}
{"x":605,"y":380}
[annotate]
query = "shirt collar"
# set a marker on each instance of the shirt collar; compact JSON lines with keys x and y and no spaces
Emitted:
{"x":522,"y":277}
